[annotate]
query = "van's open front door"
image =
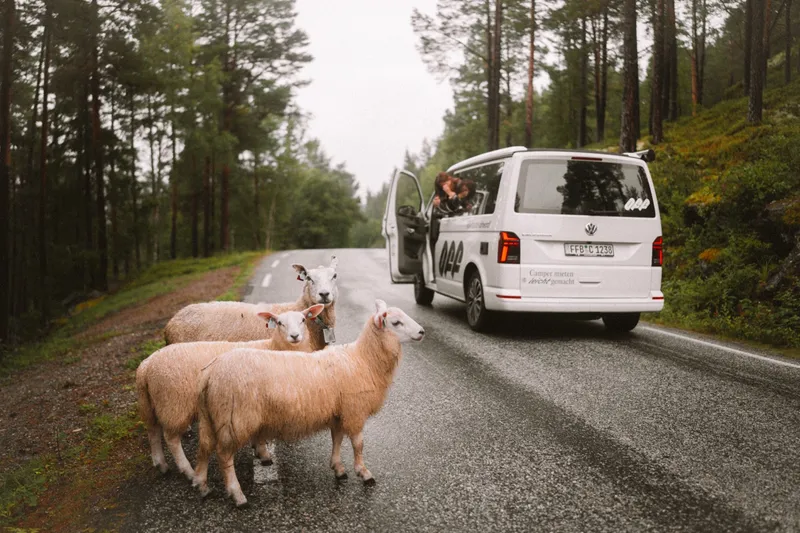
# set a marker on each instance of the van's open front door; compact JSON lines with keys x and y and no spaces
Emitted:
{"x":404,"y":228}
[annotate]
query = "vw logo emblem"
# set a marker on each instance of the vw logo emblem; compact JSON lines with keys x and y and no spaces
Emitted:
{"x":591,"y":229}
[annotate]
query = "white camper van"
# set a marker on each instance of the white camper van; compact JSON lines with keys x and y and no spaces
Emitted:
{"x":555,"y":231}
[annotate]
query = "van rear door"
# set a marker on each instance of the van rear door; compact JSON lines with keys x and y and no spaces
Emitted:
{"x":587,"y":227}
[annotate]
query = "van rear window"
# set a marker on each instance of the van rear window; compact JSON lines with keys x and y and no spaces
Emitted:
{"x":568,"y":187}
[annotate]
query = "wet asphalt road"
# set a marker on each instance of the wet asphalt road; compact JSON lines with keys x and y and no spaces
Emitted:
{"x":538,"y":426}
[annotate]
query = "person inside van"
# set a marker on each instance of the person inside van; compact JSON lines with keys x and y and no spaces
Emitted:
{"x":453,"y":195}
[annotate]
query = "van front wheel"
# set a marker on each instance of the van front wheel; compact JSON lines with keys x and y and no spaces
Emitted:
{"x":477,"y":314}
{"x":621,"y":322}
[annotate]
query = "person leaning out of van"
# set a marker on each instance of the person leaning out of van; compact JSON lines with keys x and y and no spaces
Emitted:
{"x":452,"y":193}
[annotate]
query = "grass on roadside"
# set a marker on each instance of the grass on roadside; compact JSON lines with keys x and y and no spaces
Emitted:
{"x":155,"y":281}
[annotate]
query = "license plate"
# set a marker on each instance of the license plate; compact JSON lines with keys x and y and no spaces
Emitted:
{"x":589,"y":250}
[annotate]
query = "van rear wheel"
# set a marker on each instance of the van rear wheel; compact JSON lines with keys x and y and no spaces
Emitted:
{"x":422,"y":294}
{"x":477,"y":314}
{"x":621,"y":322}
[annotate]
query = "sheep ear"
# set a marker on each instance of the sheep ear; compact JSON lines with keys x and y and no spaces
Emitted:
{"x":313,"y":311}
{"x":380,"y":306}
{"x":270,"y":318}
{"x":334,"y":262}
{"x":302,"y":274}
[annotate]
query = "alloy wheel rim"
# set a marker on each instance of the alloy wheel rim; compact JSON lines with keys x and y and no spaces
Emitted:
{"x":475,"y":300}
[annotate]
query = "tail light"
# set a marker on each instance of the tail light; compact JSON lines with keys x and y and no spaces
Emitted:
{"x":658,"y":252}
{"x":508,"y":248}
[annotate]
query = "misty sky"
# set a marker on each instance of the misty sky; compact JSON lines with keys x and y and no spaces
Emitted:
{"x":370,"y":96}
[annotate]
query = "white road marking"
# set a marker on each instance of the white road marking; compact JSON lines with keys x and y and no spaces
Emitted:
{"x":721,"y":347}
{"x":275,"y":263}
{"x":267,"y":280}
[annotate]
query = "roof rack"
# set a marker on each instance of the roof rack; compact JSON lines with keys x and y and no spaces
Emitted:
{"x":648,"y":156}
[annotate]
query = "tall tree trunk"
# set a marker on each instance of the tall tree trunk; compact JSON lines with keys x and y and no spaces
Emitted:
{"x":530,"y":90}
{"x":89,"y":269}
{"x":173,"y":185}
{"x":224,"y":187}
{"x":43,"y":295}
{"x":748,"y":43}
{"x":134,"y":185}
{"x":509,"y":100}
{"x":194,"y":209}
{"x":154,"y":182}
{"x":658,"y":68}
{"x":601,"y":112}
{"x":270,"y":222}
{"x":29,"y":177}
{"x":25,"y":205}
{"x":213,"y":195}
{"x":97,"y":147}
{"x":490,"y":107}
{"x":227,"y":119}
{"x":207,"y":207}
{"x":584,"y":88}
{"x":256,"y":206}
{"x":787,"y":63}
{"x":5,"y":164}
{"x":695,"y":58}
{"x":630,"y":79}
{"x":497,"y":65}
{"x":113,"y":192}
{"x":673,"y":62}
{"x":701,"y":64}
{"x":754,"y":106}
{"x":765,"y":50}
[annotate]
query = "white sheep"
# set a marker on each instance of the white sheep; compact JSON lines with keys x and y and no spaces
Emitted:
{"x":246,"y":394}
{"x":166,"y":382}
{"x":239,"y":322}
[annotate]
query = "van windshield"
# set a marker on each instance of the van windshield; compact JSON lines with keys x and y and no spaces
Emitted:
{"x":579,"y":187}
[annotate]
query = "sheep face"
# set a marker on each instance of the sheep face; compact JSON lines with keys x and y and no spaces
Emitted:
{"x":320,"y":285}
{"x":292,"y":324}
{"x":394,"y":320}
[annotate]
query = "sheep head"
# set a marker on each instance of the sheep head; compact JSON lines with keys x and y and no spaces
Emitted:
{"x":395,"y":321}
{"x":320,"y":283}
{"x":292,"y":324}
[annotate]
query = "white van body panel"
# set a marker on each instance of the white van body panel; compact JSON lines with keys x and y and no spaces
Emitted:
{"x":546,"y":278}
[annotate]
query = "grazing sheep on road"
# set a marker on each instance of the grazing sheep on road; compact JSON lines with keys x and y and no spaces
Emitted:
{"x":246,"y":394}
{"x":166,"y":382}
{"x":239,"y":321}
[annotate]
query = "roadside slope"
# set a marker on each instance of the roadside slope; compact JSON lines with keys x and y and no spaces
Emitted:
{"x":70,"y":432}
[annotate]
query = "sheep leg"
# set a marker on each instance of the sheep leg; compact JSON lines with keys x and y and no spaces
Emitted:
{"x":231,"y":482}
{"x":262,"y":452}
{"x":175,"y":448}
{"x":156,"y":449}
{"x":336,"y":454}
{"x":207,"y":444}
{"x":358,"y":459}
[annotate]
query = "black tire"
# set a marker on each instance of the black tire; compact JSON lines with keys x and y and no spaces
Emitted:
{"x":477,"y":315}
{"x":621,"y":322}
{"x":422,"y":295}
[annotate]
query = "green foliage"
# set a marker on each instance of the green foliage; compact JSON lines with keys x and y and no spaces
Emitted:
{"x":20,"y":488}
{"x":718,"y":186}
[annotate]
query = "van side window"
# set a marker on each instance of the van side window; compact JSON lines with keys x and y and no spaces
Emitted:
{"x":487,"y":185}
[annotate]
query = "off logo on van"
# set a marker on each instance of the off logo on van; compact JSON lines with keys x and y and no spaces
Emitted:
{"x":450,"y":258}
